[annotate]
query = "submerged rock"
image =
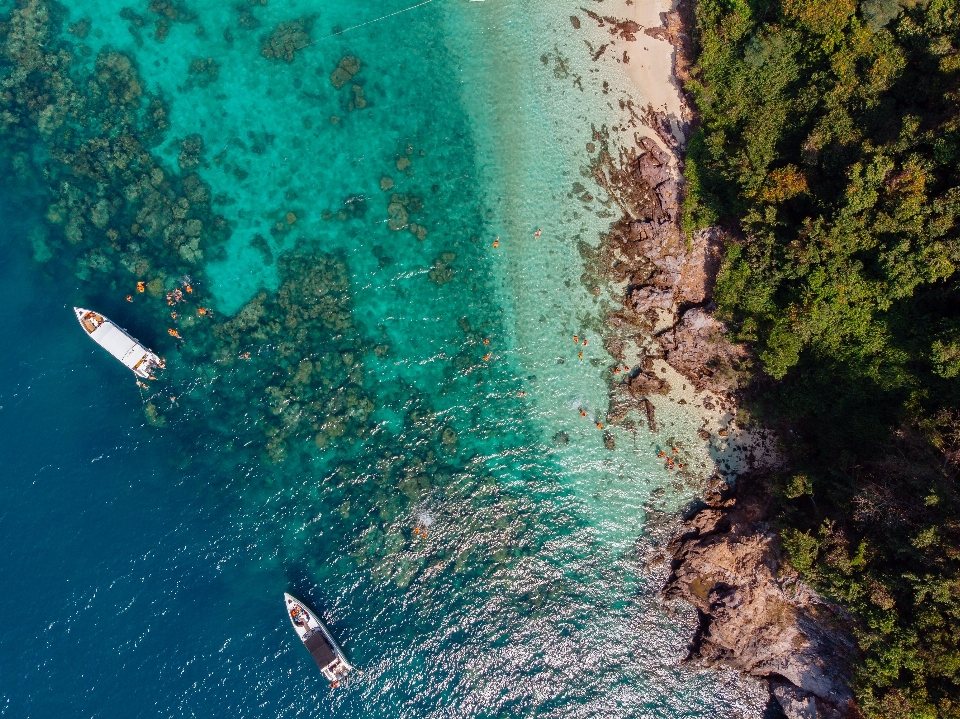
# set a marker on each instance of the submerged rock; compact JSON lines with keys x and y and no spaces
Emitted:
{"x":190,"y":149}
{"x":203,"y":71}
{"x":359,"y":99}
{"x":174,"y":11}
{"x":419,"y":231}
{"x":81,"y":28}
{"x":442,"y":272}
{"x":246,"y":19}
{"x":153,"y":416}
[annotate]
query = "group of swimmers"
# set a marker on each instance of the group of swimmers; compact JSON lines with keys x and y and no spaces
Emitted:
{"x":173,"y":298}
{"x":670,"y":464}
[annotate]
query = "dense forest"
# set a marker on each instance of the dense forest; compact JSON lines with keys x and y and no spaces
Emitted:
{"x":828,"y":147}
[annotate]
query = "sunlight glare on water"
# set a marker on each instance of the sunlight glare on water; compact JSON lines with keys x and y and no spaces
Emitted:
{"x":419,"y":460}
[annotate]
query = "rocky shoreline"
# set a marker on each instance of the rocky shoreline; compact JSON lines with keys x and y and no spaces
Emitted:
{"x":755,"y":615}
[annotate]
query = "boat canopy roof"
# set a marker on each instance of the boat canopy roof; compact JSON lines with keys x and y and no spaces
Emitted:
{"x":320,"y":649}
{"x":118,"y":343}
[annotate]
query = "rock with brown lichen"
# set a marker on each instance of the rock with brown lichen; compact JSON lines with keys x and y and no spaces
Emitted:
{"x":701,"y":263}
{"x":633,"y":179}
{"x":669,"y":279}
{"x":644,"y":384}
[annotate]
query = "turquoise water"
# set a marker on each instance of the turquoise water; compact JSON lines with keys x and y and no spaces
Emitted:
{"x":371,"y":406}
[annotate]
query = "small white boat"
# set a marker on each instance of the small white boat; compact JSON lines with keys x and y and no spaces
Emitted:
{"x":117,"y":342}
{"x":318,"y":641}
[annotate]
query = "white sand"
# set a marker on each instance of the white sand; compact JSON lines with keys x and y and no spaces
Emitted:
{"x":650,"y":65}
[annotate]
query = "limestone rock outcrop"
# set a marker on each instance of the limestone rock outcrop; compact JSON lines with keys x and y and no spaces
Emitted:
{"x":697,"y":347}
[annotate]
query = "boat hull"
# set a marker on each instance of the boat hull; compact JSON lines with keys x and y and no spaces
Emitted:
{"x":115,"y":340}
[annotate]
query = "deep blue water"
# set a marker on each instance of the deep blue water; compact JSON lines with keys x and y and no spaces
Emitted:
{"x":385,"y":424}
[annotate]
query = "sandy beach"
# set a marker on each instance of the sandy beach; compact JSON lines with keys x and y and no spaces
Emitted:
{"x":651,"y":56}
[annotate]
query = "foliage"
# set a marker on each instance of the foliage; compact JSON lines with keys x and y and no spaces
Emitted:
{"x":829,"y":147}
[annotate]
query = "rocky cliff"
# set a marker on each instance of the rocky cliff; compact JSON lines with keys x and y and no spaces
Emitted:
{"x":755,"y":614}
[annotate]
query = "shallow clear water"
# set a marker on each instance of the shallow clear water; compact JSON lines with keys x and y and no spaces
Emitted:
{"x":420,"y":459}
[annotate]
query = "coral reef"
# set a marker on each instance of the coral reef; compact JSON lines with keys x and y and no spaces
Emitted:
{"x":285,"y":377}
{"x":167,"y":12}
{"x":246,"y":19}
{"x":399,"y":210}
{"x":202,"y":72}
{"x":310,"y":380}
{"x":191,"y":147}
{"x":345,"y":70}
{"x":286,"y":39}
{"x":442,"y":272}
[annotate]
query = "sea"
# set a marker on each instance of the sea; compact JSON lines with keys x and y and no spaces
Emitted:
{"x":360,"y":235}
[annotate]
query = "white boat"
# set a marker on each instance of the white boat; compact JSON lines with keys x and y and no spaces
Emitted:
{"x":117,"y":342}
{"x":318,"y":641}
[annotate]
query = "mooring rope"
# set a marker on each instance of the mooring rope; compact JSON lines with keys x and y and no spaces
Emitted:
{"x":370,"y":22}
